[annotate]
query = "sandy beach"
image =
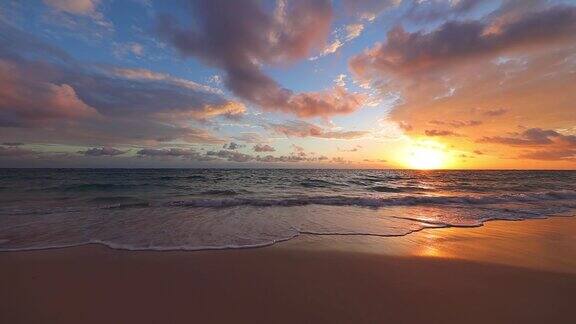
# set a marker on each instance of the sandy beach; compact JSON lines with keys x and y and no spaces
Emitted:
{"x":503,"y":272}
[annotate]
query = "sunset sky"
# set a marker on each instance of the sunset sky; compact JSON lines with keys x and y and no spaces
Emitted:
{"x":336,"y":84}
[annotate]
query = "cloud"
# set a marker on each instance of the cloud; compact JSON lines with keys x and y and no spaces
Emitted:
{"x":369,"y":9}
{"x":232,"y":146}
{"x":298,"y":149}
{"x":12,"y":144}
{"x":353,"y":149}
{"x":102,"y":151}
{"x":231,"y":156}
{"x":78,"y":15}
{"x":495,"y":112}
{"x":172,"y":153}
{"x":550,"y":155}
{"x":77,"y":7}
{"x":133,"y":48}
{"x":427,"y":11}
{"x":15,"y":152}
{"x":251,"y":138}
{"x":27,"y":101}
{"x":405,"y":126}
{"x":263,"y":148}
{"x":523,"y":70}
{"x":436,"y":132}
{"x":252,"y":37}
{"x":542,"y":144}
{"x":342,"y":36}
{"x":353,"y":31}
{"x":456,"y":123}
{"x":457,"y":41}
{"x":532,"y":137}
{"x":305,"y":129}
{"x":293,"y":158}
{"x":67,"y":101}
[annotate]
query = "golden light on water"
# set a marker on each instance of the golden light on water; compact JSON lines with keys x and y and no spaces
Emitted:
{"x":425,"y":155}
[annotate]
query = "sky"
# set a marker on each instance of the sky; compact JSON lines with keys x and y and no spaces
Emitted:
{"x":454,"y":84}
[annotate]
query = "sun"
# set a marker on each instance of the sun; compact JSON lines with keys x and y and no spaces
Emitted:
{"x":425,"y":155}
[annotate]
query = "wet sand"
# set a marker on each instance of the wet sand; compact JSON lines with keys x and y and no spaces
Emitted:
{"x":504,"y":272}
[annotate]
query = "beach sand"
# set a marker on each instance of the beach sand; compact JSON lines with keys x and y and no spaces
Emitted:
{"x":503,"y":272}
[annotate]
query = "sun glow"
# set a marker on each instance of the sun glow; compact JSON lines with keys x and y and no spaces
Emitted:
{"x":425,"y":155}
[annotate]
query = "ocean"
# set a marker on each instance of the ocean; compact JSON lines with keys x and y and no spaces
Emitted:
{"x":196,"y":209}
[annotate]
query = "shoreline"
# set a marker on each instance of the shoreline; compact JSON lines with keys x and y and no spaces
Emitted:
{"x":308,"y":238}
{"x":500,"y":272}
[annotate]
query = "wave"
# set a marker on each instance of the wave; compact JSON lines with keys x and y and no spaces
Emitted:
{"x":224,"y":192}
{"x":378,"y":201}
{"x":386,"y":189}
{"x":86,"y":187}
{"x":318,"y":183}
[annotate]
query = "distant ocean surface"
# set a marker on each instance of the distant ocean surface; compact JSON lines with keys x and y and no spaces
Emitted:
{"x":191,"y":209}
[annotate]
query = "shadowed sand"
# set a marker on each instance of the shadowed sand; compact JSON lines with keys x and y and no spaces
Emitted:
{"x":467,"y":275}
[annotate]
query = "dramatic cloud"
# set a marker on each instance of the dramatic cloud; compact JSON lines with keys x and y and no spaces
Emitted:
{"x":240,"y":37}
{"x":456,"y":41}
{"x":263,"y":148}
{"x":304,"y":129}
{"x":102,"y":151}
{"x":43,"y":87}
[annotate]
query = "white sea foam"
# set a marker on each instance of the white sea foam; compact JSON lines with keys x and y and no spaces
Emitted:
{"x":174,"y":210}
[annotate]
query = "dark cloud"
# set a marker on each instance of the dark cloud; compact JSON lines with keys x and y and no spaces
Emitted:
{"x":239,"y":37}
{"x":455,"y":41}
{"x":305,"y":129}
{"x":102,"y":151}
{"x":12,"y":144}
{"x":232,"y":146}
{"x":187,"y":154}
{"x":436,"y":132}
{"x":263,"y":148}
